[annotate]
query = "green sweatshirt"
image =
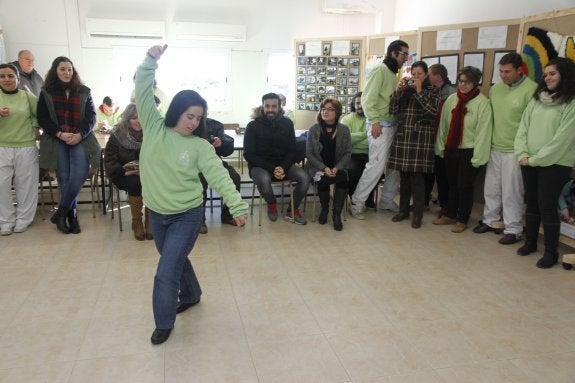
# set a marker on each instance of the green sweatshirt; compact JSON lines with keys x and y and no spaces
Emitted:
{"x":170,"y":163}
{"x":477,"y":127}
{"x":17,"y":130}
{"x":357,"y":128}
{"x":546,"y":134}
{"x":377,"y":94}
{"x":508,"y":104}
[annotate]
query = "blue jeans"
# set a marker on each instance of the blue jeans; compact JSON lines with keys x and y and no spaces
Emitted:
{"x":174,"y":236}
{"x":72,"y":172}
{"x":263,"y":180}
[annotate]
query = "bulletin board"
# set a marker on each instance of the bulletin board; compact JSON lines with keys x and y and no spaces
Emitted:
{"x":469,"y":39}
{"x":557,"y":21}
{"x":376,"y":44}
{"x":326,"y":68}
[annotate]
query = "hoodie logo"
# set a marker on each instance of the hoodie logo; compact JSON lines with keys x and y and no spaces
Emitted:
{"x":184,"y":158}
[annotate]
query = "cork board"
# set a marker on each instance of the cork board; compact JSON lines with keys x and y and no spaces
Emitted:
{"x":469,"y":34}
{"x":558,"y":21}
{"x":376,"y":44}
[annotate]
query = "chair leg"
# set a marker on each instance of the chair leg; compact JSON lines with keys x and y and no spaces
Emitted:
{"x":119,"y":208}
{"x":314,"y":201}
{"x":42,"y":200}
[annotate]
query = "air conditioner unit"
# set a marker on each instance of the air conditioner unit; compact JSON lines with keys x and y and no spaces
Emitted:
{"x":207,"y":31}
{"x":125,"y":29}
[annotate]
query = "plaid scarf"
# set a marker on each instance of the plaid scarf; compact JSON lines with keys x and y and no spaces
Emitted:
{"x":455,"y":135}
{"x":67,"y":110}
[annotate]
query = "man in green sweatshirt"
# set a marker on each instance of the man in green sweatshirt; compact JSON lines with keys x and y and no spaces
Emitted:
{"x":503,"y":188}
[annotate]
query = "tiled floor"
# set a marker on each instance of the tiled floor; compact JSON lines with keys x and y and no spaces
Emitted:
{"x":378,"y":302}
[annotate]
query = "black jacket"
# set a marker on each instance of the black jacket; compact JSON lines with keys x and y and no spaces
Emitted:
{"x":268,"y":144}
{"x":215,"y":129}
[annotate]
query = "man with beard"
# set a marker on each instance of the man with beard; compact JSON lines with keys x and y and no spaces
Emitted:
{"x":356,"y":123}
{"x":30,"y":80}
{"x":381,"y":129}
{"x":270,"y":151}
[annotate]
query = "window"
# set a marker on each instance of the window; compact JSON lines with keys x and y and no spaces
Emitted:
{"x":280,"y":75}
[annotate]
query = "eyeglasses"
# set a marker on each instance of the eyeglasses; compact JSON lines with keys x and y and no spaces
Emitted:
{"x":464,"y":82}
{"x":328,"y":109}
{"x":405,"y":54}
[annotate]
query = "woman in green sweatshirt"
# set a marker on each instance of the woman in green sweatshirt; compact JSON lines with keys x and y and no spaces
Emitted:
{"x":545,"y":148}
{"x":172,"y":156}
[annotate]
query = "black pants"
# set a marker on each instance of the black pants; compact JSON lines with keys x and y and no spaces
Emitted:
{"x":355,"y":170}
{"x":461,"y":178}
{"x":341,"y":180}
{"x":225,"y":215}
{"x":542,"y":188}
{"x":442,"y":186}
{"x":412,"y":184}
{"x":130,"y":184}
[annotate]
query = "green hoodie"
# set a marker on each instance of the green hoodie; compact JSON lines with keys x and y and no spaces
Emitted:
{"x":170,"y":163}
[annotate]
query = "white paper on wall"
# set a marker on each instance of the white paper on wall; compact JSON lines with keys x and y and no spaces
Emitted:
{"x":449,"y":40}
{"x":313,"y":48}
{"x":492,"y":37}
{"x":340,"y":48}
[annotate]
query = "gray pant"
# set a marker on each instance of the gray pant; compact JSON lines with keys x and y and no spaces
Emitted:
{"x":263,"y":180}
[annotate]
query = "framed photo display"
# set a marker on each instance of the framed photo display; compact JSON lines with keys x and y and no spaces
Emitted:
{"x":331,"y":72}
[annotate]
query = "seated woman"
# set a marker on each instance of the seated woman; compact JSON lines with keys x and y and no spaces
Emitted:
{"x":328,"y":152}
{"x":121,"y":157}
{"x":107,"y":114}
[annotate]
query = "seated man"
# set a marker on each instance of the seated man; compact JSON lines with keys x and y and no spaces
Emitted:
{"x":270,"y":151}
{"x":224,"y":146}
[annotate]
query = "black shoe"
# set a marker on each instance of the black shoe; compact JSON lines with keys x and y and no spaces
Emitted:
{"x":482,"y":228}
{"x":184,"y":306}
{"x":159,"y":336}
{"x":369,"y":204}
{"x":322,"y":219}
{"x":509,"y":239}
{"x":567,"y":266}
{"x":59,"y":219}
{"x":527,"y":249}
{"x":399,"y":217}
{"x":228,"y":221}
{"x":547,"y":261}
{"x":73,"y":223}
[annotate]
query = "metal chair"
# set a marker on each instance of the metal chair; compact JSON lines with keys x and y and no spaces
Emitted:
{"x":292,"y":187}
{"x":331,"y":196}
{"x":46,"y":177}
{"x":116,"y":191}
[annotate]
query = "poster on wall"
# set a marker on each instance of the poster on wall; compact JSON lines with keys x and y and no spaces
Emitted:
{"x":451,"y":63}
{"x":449,"y":40}
{"x":492,"y":37}
{"x":474,"y":59}
{"x":340,"y":48}
{"x":313,"y":48}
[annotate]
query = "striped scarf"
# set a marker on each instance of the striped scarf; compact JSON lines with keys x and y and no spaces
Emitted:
{"x":67,"y":110}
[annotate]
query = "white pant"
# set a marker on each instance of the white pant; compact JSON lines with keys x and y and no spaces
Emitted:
{"x":21,"y":165}
{"x":504,"y":190}
{"x":378,"y":156}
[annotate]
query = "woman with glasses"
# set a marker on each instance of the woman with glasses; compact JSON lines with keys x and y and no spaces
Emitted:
{"x":464,"y":141}
{"x":328,"y":153}
{"x":414,"y":104}
{"x":544,"y":146}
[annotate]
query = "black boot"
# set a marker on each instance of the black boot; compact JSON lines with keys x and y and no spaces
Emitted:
{"x":59,"y":219}
{"x":338,"y":201}
{"x":324,"y":201}
{"x":73,"y":221}
{"x":550,"y":257}
{"x":532,"y":223}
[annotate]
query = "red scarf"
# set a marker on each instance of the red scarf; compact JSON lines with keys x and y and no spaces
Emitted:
{"x":455,"y":135}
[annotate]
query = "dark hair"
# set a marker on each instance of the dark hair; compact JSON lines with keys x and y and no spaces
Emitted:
{"x":180,"y":103}
{"x":338,"y":110}
{"x":472,"y":73}
{"x":441,"y":70}
{"x":11,"y":67}
{"x":52,"y":82}
{"x":396,"y":46}
{"x":271,"y":96}
{"x":420,"y":64}
{"x":352,"y":103}
{"x":108,"y":101}
{"x":565,"y":91}
{"x":512,"y":58}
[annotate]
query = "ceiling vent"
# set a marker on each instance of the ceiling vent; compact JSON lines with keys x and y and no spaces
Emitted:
{"x":207,"y":31}
{"x":125,"y":29}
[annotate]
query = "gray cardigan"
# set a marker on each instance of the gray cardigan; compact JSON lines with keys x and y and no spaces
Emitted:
{"x":314,"y":161}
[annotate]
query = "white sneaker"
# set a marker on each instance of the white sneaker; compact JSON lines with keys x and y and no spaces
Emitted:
{"x":391,"y":206}
{"x":356,"y":211}
{"x":6,"y":230}
{"x":20,"y":229}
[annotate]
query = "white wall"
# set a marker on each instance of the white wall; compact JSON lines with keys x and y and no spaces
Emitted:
{"x":55,"y":27}
{"x":413,"y":14}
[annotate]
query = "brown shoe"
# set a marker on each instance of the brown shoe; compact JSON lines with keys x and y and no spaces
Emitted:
{"x":443,"y":220}
{"x":459,"y":227}
{"x":416,"y":222}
